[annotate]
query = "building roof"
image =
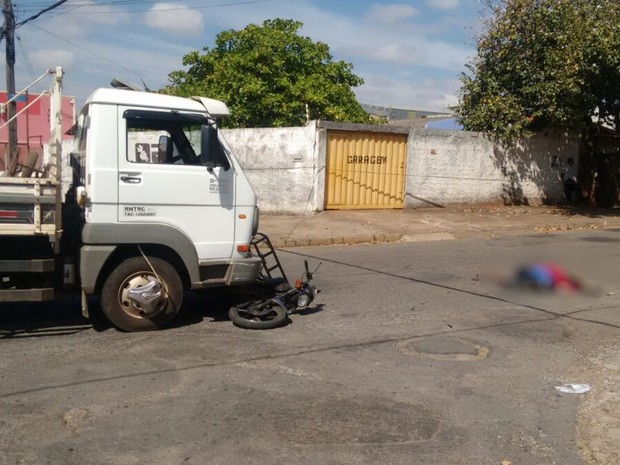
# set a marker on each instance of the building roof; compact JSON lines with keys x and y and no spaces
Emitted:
{"x":391,"y":113}
{"x":449,"y":124}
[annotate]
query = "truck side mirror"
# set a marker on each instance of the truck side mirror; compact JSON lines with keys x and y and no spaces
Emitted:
{"x":212,"y":151}
{"x":164,"y":149}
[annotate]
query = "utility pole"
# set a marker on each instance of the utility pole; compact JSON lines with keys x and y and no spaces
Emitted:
{"x":9,"y":35}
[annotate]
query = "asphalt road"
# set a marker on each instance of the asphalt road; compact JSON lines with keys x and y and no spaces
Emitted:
{"x":414,"y":355}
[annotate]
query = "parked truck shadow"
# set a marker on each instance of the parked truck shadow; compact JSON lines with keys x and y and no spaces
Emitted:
{"x":63,"y":317}
{"x":59,"y":317}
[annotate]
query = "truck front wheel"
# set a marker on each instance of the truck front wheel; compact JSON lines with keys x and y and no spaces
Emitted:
{"x":140,"y":295}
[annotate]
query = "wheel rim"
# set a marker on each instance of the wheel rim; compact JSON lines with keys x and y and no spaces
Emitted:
{"x":267,"y":312}
{"x":141,"y":295}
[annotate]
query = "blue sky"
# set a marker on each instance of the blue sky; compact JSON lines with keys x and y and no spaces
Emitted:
{"x":409,"y":53}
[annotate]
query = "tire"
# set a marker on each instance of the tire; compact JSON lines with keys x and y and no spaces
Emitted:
{"x":127,"y":314}
{"x":263,"y":315}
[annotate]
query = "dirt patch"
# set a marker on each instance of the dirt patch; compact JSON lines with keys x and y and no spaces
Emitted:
{"x":448,"y":349}
{"x":360,"y":421}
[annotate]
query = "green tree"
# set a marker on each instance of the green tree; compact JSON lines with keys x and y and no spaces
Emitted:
{"x":269,"y":75}
{"x":543,"y":63}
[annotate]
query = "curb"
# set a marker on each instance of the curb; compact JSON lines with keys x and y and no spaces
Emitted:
{"x":337,"y":240}
{"x":423,"y":236}
{"x":481,"y":230}
{"x":427,"y":237}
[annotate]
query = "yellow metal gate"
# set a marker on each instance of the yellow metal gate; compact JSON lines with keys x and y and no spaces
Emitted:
{"x":365,"y":170}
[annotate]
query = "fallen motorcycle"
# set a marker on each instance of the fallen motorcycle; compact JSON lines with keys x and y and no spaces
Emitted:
{"x":274,"y":311}
{"x":277,"y":299}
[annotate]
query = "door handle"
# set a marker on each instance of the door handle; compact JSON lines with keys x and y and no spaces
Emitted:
{"x":131,"y":179}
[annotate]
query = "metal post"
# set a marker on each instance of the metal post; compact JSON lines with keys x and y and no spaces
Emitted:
{"x":55,"y":147}
{"x":28,"y":123}
{"x":55,"y":142}
{"x":9,"y":33}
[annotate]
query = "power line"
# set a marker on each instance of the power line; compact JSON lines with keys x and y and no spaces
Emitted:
{"x":44,"y":10}
{"x":28,"y":64}
{"x":68,"y":11}
{"x":8,"y":33}
{"x":139,"y":2}
{"x":135,"y":2}
{"x":71,"y":7}
{"x":88,"y":51}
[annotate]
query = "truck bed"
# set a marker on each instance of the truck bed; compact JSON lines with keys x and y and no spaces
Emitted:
{"x":29,"y":206}
{"x":30,"y":222}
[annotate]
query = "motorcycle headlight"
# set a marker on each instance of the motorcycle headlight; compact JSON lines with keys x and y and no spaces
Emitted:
{"x":303,"y":301}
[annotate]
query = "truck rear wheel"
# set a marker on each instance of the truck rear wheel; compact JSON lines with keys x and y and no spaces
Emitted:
{"x":137,"y":298}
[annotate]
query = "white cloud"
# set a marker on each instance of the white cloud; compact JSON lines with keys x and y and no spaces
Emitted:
{"x":175,"y":19}
{"x":395,"y":52}
{"x":406,"y":92}
{"x":392,"y":13}
{"x":419,"y":53}
{"x":81,"y":19}
{"x":93,"y":60}
{"x":50,"y":58}
{"x":150,"y":63}
{"x":443,"y":4}
{"x":88,"y":10}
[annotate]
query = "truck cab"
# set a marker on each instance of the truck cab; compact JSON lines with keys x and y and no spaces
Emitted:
{"x":165,"y":206}
{"x":160,"y":186}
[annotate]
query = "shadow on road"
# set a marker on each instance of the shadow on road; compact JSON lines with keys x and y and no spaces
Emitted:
{"x":62,"y":316}
{"x":59,"y":317}
{"x":588,"y":211}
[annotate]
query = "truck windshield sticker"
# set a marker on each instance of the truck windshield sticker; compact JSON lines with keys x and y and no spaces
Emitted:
{"x":136,"y":211}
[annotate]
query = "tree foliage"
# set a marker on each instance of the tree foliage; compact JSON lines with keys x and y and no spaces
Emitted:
{"x":543,"y":63}
{"x":269,"y":75}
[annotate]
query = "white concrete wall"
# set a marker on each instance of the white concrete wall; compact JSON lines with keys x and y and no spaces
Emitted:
{"x":450,"y":167}
{"x":287,"y":167}
{"x":282,"y":165}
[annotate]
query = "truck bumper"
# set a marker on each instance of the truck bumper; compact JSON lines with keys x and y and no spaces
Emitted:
{"x":244,"y":271}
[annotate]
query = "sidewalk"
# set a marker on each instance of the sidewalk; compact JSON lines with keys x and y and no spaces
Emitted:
{"x":429,"y":224}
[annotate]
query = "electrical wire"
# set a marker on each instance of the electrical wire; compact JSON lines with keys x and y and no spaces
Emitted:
{"x":88,"y":51}
{"x":74,"y":6}
{"x":22,"y":48}
{"x":143,"y":10}
{"x":67,"y":11}
{"x":44,"y":10}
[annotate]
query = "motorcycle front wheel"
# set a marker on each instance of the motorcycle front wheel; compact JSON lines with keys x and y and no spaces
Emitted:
{"x":262,"y":315}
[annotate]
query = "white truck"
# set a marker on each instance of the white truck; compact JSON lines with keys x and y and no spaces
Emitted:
{"x":158,"y":205}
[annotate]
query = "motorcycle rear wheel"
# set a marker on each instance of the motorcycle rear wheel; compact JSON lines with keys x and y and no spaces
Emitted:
{"x":263,"y":315}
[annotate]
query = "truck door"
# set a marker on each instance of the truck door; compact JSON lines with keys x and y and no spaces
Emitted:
{"x":162,"y":179}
